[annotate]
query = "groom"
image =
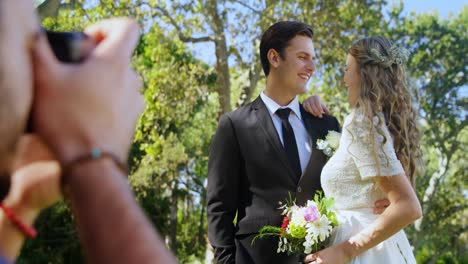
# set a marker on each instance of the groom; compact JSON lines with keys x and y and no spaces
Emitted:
{"x":266,"y":150}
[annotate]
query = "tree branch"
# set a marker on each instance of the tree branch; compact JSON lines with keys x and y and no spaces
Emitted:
{"x":454,"y":133}
{"x":247,"y":90}
{"x":455,"y":209}
{"x":235,"y":52}
{"x":69,"y":6}
{"x":259,"y":12}
{"x":48,"y":8}
{"x":181,"y":35}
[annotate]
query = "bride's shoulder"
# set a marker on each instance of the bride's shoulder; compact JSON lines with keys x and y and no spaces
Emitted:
{"x":357,"y":117}
{"x":363,"y":125}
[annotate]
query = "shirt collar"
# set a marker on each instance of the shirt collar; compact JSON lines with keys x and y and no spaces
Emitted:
{"x":273,"y":106}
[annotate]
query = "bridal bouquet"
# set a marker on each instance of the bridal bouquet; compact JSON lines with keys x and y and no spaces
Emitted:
{"x":305,"y":228}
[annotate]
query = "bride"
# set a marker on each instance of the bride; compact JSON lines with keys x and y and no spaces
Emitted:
{"x":377,"y":158}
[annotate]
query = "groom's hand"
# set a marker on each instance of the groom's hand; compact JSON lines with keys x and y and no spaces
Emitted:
{"x":381,"y":205}
{"x":315,"y":106}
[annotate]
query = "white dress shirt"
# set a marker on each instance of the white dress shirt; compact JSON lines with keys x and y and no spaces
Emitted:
{"x":304,"y":146}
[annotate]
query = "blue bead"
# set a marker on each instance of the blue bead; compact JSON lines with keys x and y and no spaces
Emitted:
{"x":96,"y":153}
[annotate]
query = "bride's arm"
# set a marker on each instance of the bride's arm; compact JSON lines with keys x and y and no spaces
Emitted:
{"x":404,"y":209}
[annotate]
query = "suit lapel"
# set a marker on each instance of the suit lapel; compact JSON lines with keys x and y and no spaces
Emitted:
{"x":311,"y":126}
{"x":265,"y":122}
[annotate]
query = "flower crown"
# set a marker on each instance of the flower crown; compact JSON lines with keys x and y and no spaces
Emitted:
{"x":396,"y":55}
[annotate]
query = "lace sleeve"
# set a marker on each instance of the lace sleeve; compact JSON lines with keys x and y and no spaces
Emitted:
{"x":372,"y":154}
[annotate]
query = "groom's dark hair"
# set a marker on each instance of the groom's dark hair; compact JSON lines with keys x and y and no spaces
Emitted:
{"x":277,"y":37}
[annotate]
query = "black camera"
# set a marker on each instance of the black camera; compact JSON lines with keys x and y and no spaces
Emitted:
{"x":70,"y":47}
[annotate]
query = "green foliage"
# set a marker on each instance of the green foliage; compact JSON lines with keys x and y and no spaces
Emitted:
{"x":325,"y":206}
{"x":173,"y":136}
{"x":438,"y":74}
{"x":267,"y":231}
{"x":295,"y":243}
{"x":57,"y":240}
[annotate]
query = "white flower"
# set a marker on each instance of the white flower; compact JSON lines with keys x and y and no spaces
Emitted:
{"x":311,"y":203}
{"x":333,"y":139}
{"x":321,"y":228}
{"x":282,"y":245}
{"x":285,"y":209}
{"x":297,"y":217}
{"x":330,"y":144}
{"x":310,"y":240}
{"x":328,"y":151}
{"x":322,"y":144}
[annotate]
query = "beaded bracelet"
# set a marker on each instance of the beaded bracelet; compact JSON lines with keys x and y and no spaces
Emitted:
{"x":94,"y":154}
{"x":29,"y":231}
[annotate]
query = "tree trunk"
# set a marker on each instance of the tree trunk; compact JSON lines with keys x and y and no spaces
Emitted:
{"x":201,"y":229}
{"x":48,"y":8}
{"x":256,"y":71}
{"x":222,"y":54}
{"x":247,"y":91}
{"x":443,"y":162}
{"x":172,"y":243}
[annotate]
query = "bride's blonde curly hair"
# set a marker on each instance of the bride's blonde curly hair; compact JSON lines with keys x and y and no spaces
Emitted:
{"x":384,"y":90}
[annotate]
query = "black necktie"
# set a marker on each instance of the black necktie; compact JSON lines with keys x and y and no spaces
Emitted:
{"x":289,"y":141}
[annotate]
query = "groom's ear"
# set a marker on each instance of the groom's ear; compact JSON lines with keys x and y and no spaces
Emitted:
{"x":273,"y":57}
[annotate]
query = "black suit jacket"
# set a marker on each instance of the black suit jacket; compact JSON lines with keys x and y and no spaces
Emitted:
{"x":249,"y":173}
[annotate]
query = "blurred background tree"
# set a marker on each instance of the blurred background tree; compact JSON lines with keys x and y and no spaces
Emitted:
{"x":185,"y":96}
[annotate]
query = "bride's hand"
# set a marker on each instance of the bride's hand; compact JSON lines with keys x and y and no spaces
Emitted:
{"x":331,"y":255}
{"x":315,"y":106}
{"x":381,"y":205}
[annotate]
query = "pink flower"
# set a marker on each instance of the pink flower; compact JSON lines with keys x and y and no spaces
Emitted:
{"x":311,"y":213}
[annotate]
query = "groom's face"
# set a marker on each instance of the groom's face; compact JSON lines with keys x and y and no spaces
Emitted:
{"x":298,"y":64}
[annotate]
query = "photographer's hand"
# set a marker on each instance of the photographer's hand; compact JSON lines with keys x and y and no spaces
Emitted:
{"x":35,"y":185}
{"x":94,"y":104}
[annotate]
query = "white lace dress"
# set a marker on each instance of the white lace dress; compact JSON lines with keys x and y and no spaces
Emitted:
{"x":349,"y":177}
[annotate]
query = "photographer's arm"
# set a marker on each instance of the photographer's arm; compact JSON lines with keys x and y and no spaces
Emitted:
{"x":113,"y":228}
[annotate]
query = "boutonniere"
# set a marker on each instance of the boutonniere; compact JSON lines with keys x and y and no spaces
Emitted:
{"x":330,"y":144}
